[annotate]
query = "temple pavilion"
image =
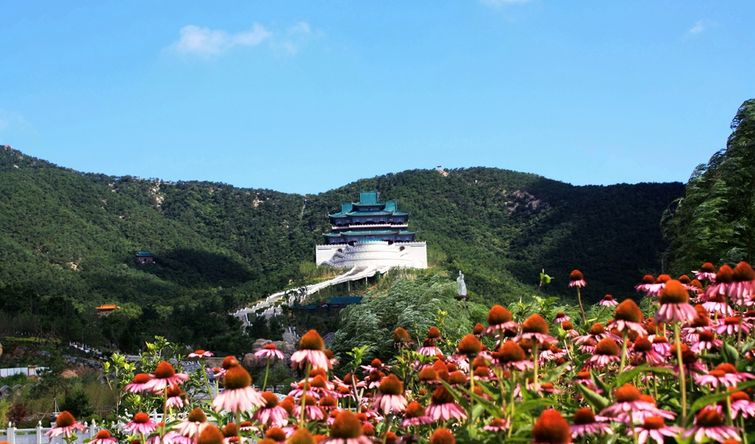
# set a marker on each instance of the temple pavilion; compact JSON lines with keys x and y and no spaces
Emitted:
{"x":371,"y":233}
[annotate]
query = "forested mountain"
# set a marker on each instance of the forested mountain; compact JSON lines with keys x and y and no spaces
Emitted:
{"x":715,"y":220}
{"x":67,"y":243}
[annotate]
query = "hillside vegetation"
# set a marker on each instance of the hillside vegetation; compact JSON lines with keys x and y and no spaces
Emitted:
{"x":67,"y":241}
{"x":715,"y":220}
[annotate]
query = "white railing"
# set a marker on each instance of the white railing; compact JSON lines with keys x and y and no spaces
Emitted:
{"x":27,"y":371}
{"x":37,"y":435}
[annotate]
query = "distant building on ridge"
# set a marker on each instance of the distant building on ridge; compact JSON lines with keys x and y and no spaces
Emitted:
{"x":144,"y":258}
{"x":371,"y":233}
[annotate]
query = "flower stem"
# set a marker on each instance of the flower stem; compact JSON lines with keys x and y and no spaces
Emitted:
{"x":537,"y":364}
{"x":623,"y":351}
{"x":581,"y":307}
{"x":267,"y":370}
{"x":682,"y":375}
{"x":304,"y":394}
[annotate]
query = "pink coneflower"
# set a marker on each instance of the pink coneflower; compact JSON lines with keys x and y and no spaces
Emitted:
{"x":577,"y":279}
{"x":707,"y":272}
{"x":631,"y":406}
{"x":710,"y":424}
{"x":535,"y":329}
{"x":742,"y":288}
{"x":175,"y":397}
{"x":443,"y":407}
{"x":65,"y":425}
{"x":312,"y":412}
{"x":269,"y":352}
{"x":139,"y":384}
{"x":732,"y":326}
{"x":141,"y":424}
{"x":271,"y":414}
{"x":661,"y":345}
{"x":511,"y":356}
{"x":311,"y":352}
{"x":642,"y":351}
{"x":414,"y":415}
{"x":551,"y":428}
{"x":390,"y":398}
{"x":552,"y":353}
{"x":211,"y":435}
{"x":724,"y":279}
{"x":561,"y":317}
{"x":699,"y":324}
{"x":238,"y":395}
{"x":706,"y":340}
{"x":724,"y":375}
{"x":199,"y":353}
{"x":497,"y":425}
{"x":653,"y":290}
{"x":717,"y":305}
{"x":584,"y":377}
{"x":103,"y":437}
{"x":193,"y":425}
{"x":165,"y":376}
{"x":347,"y":429}
{"x":646,"y":285}
{"x":741,"y":405}
{"x":608,"y":301}
{"x":429,"y":348}
{"x":675,"y":307}
{"x":606,"y":352}
{"x":586,"y":423}
{"x":500,"y":320}
{"x":628,"y":316}
{"x":654,"y":428}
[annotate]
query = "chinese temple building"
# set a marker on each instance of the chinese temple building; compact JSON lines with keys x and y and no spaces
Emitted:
{"x":371,"y":233}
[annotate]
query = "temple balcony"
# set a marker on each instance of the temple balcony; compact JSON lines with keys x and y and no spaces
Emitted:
{"x":381,"y":225}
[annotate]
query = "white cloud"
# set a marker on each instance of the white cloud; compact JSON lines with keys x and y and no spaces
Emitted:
{"x":699,"y":27}
{"x":207,"y":42}
{"x":502,"y":3}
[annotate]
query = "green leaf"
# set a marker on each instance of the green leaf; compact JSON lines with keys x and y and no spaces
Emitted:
{"x":730,"y":353}
{"x":715,"y":397}
{"x":631,"y":374}
{"x":596,"y":400}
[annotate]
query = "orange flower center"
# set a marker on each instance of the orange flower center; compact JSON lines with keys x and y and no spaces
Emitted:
{"x":346,"y":426}
{"x":311,"y":341}
{"x":65,"y":419}
{"x":390,"y":385}
{"x":164,"y":370}
{"x":236,"y":377}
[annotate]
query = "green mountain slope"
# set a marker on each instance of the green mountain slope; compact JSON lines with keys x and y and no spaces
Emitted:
{"x":715,"y":220}
{"x":68,"y":239}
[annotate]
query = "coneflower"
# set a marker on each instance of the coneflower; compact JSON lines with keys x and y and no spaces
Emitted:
{"x":311,"y":352}
{"x":175,"y":397}
{"x":628,"y":317}
{"x":724,"y":278}
{"x":631,"y":406}
{"x":606,"y":352}
{"x":429,"y":348}
{"x":443,"y":407}
{"x":65,"y":426}
{"x":199,"y":353}
{"x":511,"y":356}
{"x":707,"y":272}
{"x":193,"y":425}
{"x":103,"y":437}
{"x":732,"y":326}
{"x":675,"y":307}
{"x":139,"y":383}
{"x":211,"y":435}
{"x":724,"y":375}
{"x":741,"y":405}
{"x":238,"y":395}
{"x":271,"y":414}
{"x":655,"y":428}
{"x":347,"y":429}
{"x":646,"y":285}
{"x":401,"y":337}
{"x":301,"y":436}
{"x":165,"y":376}
{"x":710,"y":424}
{"x":586,"y":423}
{"x":390,"y":398}
{"x":608,"y":301}
{"x":442,"y":436}
{"x":742,"y":288}
{"x":414,"y":415}
{"x":577,"y":280}
{"x":141,"y":424}
{"x":500,"y":320}
{"x":551,"y":428}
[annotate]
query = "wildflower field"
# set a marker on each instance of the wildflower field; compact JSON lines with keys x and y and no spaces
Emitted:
{"x":676,"y":367}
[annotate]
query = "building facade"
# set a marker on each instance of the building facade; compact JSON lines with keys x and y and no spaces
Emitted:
{"x":371,"y":233}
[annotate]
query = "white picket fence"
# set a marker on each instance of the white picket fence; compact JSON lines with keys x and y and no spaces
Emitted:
{"x":28,"y":371}
{"x":37,"y":435}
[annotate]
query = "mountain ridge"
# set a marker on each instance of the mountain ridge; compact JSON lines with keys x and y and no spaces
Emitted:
{"x":219,"y":246}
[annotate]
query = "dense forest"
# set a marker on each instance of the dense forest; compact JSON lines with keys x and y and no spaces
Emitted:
{"x":715,"y":220}
{"x":67,"y":243}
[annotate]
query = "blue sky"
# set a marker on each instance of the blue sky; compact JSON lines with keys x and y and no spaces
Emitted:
{"x":304,"y":96}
